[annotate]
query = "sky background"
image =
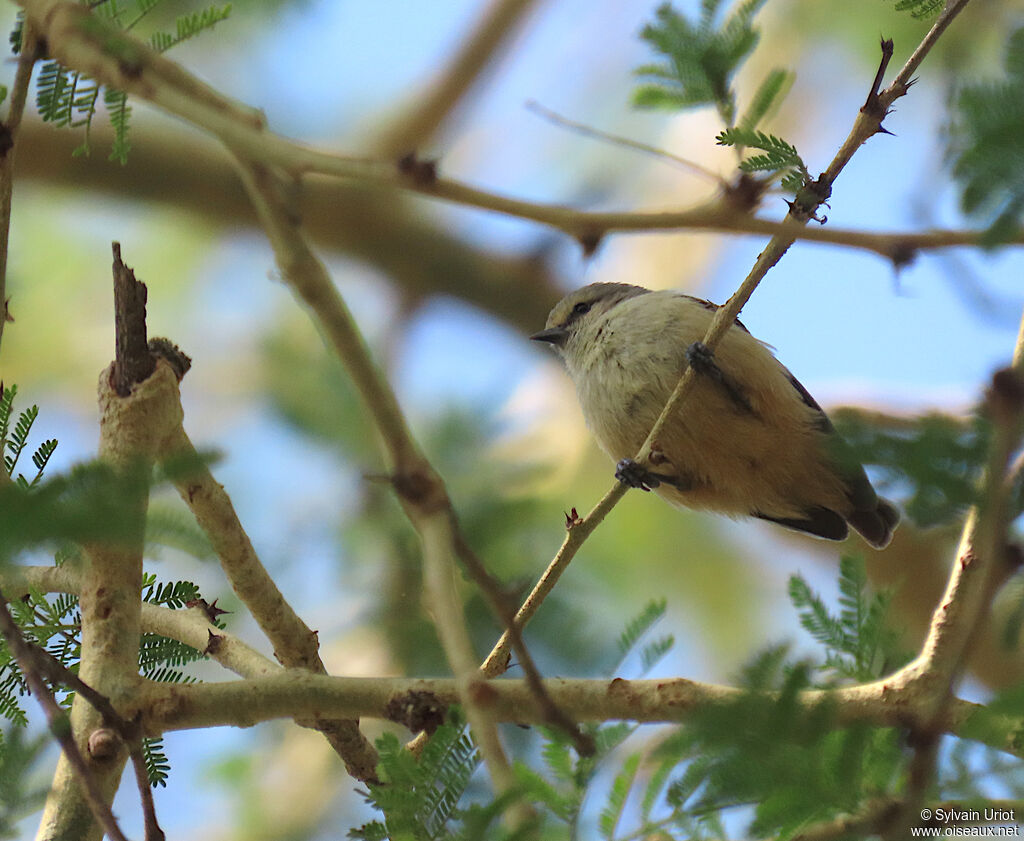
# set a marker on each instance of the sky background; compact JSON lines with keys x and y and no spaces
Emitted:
{"x":330,"y":73}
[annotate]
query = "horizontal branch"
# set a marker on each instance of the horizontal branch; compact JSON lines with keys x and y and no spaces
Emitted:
{"x":85,"y":43}
{"x":245,"y":703}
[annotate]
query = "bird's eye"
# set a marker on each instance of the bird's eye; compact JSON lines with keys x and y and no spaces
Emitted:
{"x":581,"y":308}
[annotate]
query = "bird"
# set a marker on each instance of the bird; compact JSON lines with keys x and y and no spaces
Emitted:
{"x":749,"y":440}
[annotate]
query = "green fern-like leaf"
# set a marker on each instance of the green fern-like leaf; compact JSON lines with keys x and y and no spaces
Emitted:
{"x":698,"y":59}
{"x":156,"y":651}
{"x":173,"y":594}
{"x":158,"y":766}
{"x":936,"y":460}
{"x":118,"y":112}
{"x":779,"y":154}
{"x":622,"y":787}
{"x":7,"y":395}
{"x":68,"y":98}
{"x":372,"y":831}
{"x":536,"y":789}
{"x":18,"y":439}
{"x":53,"y":94}
{"x":858,"y":642}
{"x":920,"y":8}
{"x":420,"y":796}
{"x":41,"y":457}
{"x":188,"y":26}
{"x":987,"y":146}
{"x":21,"y":790}
{"x":652,"y":612}
{"x":171,"y":527}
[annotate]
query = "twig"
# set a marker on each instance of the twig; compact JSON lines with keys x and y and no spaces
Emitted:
{"x":8,"y":142}
{"x":442,"y":602}
{"x":497,"y":661}
{"x":497,"y":599}
{"x":156,"y":79}
{"x":617,"y":140}
{"x":498,"y":24}
{"x":57,"y":720}
{"x":802,"y":210}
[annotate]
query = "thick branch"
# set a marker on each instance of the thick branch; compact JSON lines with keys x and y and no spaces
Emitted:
{"x":295,"y":645}
{"x":132,"y":430}
{"x":418,"y":486}
{"x":245,"y":703}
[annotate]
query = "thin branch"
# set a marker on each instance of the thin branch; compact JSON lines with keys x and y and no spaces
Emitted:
{"x":154,"y":78}
{"x":190,"y":626}
{"x":905,"y":77}
{"x":479,"y":49}
{"x":627,"y":143}
{"x":57,"y":720}
{"x":497,"y":600}
{"x":982,"y":542}
{"x":443,"y":604}
{"x":578,"y":531}
{"x":8,"y":141}
{"x":809,"y":199}
{"x":419,"y":488}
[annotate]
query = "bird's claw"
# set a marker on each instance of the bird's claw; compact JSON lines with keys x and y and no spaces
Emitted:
{"x":635,"y":475}
{"x":702,"y":359}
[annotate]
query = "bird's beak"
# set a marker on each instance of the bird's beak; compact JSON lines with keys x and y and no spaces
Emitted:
{"x":553,"y":335}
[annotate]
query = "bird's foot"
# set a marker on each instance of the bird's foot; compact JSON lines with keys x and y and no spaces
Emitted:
{"x":635,"y":475}
{"x":702,"y":359}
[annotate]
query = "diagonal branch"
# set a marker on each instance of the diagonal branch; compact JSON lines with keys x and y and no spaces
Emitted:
{"x":419,"y":488}
{"x":808,"y":200}
{"x":87,"y":43}
{"x":295,"y":645}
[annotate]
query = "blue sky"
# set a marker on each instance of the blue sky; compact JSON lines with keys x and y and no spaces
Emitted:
{"x":843,"y":322}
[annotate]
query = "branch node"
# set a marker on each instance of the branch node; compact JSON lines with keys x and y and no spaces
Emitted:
{"x":590,"y":241}
{"x":104,"y":744}
{"x":422,"y":172}
{"x":418,"y":710}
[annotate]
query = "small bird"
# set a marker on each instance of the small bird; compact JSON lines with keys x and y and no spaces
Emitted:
{"x":748,"y":441}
